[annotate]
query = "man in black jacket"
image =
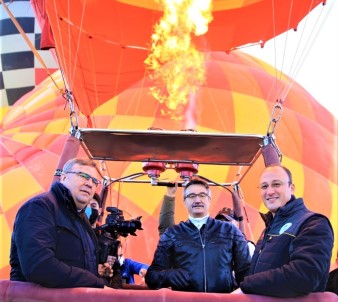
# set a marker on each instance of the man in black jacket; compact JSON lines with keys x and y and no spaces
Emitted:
{"x":201,"y":253}
{"x":53,"y":243}
{"x":332,"y":283}
{"x":292,"y":256}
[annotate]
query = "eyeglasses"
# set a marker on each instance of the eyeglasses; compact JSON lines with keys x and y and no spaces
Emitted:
{"x":85,"y":176}
{"x":201,"y":196}
{"x":273,"y":185}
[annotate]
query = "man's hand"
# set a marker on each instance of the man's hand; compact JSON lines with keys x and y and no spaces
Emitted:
{"x":171,"y":191}
{"x":105,"y":270}
{"x":142,"y":273}
{"x":178,"y":279}
{"x":111,"y":260}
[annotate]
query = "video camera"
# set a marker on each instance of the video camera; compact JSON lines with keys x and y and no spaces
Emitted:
{"x":114,"y":227}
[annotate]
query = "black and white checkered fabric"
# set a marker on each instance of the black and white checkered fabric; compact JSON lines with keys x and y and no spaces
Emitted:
{"x":20,"y":71}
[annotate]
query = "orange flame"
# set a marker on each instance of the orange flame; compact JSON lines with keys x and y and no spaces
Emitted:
{"x":174,"y":60}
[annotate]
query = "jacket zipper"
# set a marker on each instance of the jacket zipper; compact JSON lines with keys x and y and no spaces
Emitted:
{"x":204,"y":272}
{"x":266,"y":239}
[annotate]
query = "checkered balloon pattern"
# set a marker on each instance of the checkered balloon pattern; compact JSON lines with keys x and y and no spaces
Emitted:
{"x":20,"y":71}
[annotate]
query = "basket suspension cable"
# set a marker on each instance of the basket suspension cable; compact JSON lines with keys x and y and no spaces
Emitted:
{"x":72,"y":144}
{"x":276,"y":115}
{"x":72,"y":115}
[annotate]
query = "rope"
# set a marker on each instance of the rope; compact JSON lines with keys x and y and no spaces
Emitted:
{"x":311,"y":39}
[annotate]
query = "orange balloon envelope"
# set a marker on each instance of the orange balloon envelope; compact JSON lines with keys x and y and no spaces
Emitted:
{"x":102,"y":45}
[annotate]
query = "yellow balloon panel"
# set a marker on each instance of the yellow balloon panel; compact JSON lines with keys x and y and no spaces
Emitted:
{"x":130,"y":122}
{"x":10,"y":183}
{"x":5,"y":232}
{"x":253,"y":105}
{"x":58,"y":126}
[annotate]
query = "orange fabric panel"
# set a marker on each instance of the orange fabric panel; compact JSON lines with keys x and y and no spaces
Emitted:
{"x":105,"y":57}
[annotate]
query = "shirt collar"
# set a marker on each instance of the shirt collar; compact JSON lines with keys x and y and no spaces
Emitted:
{"x":198,"y":222}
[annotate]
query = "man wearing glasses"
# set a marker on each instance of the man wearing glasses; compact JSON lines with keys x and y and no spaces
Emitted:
{"x":53,"y":243}
{"x":292,"y":256}
{"x":199,"y":254}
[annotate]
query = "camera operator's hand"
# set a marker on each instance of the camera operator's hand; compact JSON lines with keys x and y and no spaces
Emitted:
{"x":105,"y":270}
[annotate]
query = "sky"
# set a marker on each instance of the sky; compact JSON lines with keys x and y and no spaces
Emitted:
{"x":309,"y":55}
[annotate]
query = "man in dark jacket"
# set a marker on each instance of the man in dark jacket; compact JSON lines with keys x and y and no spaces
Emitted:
{"x":292,"y":256}
{"x":201,"y":253}
{"x":332,"y":283}
{"x":53,"y":243}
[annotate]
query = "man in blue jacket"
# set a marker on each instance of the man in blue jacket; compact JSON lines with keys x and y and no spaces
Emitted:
{"x":200,"y":254}
{"x":292,"y":256}
{"x":130,"y":267}
{"x":53,"y":243}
